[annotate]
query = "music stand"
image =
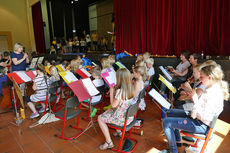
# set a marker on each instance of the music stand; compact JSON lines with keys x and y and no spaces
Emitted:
{"x":19,"y":94}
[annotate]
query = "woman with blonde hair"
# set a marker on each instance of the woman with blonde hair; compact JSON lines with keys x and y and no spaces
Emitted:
{"x":208,"y":105}
{"x":123,"y":92}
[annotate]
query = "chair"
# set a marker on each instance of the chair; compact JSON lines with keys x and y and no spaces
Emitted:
{"x":51,"y":95}
{"x":101,"y":89}
{"x":70,"y":111}
{"x":131,"y":112}
{"x":58,"y":87}
{"x":206,"y":136}
{"x":149,"y":86}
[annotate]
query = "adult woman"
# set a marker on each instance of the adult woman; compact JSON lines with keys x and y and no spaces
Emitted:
{"x":209,"y":104}
{"x":19,"y":60}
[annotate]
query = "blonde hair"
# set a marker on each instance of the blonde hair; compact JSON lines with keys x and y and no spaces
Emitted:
{"x":96,"y":70}
{"x":141,"y":70}
{"x":216,"y":73}
{"x":124,"y":83}
{"x":140,"y":63}
{"x":105,"y":63}
{"x":150,"y":61}
{"x":54,"y":72}
{"x":75,"y":64}
{"x":17,"y":46}
{"x":139,"y":58}
{"x":146,"y":54}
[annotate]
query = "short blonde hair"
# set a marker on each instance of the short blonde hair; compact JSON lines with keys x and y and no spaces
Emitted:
{"x":105,"y":63}
{"x":17,"y":46}
{"x":96,"y":70}
{"x":141,"y":70}
{"x":150,"y":61}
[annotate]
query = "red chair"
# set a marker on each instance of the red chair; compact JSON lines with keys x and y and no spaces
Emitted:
{"x":206,"y":137}
{"x":131,"y":112}
{"x":70,"y":111}
{"x":51,"y":96}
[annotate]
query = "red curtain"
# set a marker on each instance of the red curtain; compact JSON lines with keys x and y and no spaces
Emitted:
{"x":166,"y":27}
{"x":38,"y":28}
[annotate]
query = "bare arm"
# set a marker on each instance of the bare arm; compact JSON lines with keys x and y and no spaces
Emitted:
{"x":182,"y":73}
{"x":113,"y":101}
{"x":137,"y":87}
{"x":16,"y":61}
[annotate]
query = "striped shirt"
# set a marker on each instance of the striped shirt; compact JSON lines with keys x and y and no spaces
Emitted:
{"x":42,"y":83}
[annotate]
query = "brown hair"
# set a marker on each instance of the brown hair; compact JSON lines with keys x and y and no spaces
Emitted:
{"x":40,"y":67}
{"x":96,"y":70}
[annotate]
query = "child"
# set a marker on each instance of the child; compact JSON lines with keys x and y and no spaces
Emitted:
{"x":150,"y":69}
{"x":40,"y":85}
{"x":105,"y":63}
{"x":139,"y":74}
{"x":139,"y":58}
{"x":54,"y":74}
{"x":123,"y":92}
{"x":98,"y":82}
{"x":146,"y":56}
{"x":83,"y":45}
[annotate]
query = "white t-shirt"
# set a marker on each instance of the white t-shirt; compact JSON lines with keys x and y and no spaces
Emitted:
{"x":97,"y":83}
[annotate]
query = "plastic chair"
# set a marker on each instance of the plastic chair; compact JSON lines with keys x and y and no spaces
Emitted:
{"x":200,"y":137}
{"x":101,"y":89}
{"x":51,"y":95}
{"x":131,"y":112}
{"x":70,"y":111}
{"x":149,"y":87}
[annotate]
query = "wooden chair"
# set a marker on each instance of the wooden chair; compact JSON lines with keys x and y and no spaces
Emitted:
{"x":206,"y":137}
{"x":70,"y":111}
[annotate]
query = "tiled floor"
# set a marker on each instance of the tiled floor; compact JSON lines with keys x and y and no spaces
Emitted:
{"x":41,"y":139}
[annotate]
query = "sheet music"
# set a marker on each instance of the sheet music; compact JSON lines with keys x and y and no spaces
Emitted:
{"x":23,"y":76}
{"x":34,"y":72}
{"x":120,"y":65}
{"x":167,"y":83}
{"x":92,"y":90}
{"x":161,"y":100}
{"x":168,"y":76}
{"x":68,"y":76}
{"x":61,"y":68}
{"x":33,"y":62}
{"x":112,"y":78}
{"x":86,"y":72}
{"x":40,"y":59}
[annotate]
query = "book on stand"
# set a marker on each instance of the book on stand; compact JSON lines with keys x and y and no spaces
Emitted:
{"x":40,"y":60}
{"x":33,"y":63}
{"x":159,"y":98}
{"x":68,"y":76}
{"x":110,"y":77}
{"x":60,"y":68}
{"x":87,"y":89}
{"x":83,"y":73}
{"x":167,"y":83}
{"x":166,"y":73}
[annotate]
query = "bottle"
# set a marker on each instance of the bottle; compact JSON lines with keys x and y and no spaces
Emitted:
{"x":202,"y":54}
{"x":138,"y":131}
{"x":22,"y":113}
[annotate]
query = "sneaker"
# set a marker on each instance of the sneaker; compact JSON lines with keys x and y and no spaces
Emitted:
{"x":164,"y":151}
{"x":93,"y":112}
{"x":42,"y":110}
{"x":191,"y":149}
{"x":34,"y":115}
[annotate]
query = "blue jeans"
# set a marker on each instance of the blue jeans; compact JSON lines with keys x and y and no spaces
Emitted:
{"x":180,"y":120}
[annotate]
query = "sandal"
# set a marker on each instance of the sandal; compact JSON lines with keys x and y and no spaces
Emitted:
{"x":117,"y":134}
{"x":106,"y":145}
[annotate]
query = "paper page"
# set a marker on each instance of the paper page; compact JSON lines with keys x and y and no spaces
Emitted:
{"x":23,"y":76}
{"x":112,"y":78}
{"x":35,"y":73}
{"x":167,"y":83}
{"x":33,"y":62}
{"x":47,"y":69}
{"x":168,"y":76}
{"x":92,"y":90}
{"x":40,"y":59}
{"x":86,"y":72}
{"x":120,"y":65}
{"x":60,"y":68}
{"x":68,"y":76}
{"x":161,"y":100}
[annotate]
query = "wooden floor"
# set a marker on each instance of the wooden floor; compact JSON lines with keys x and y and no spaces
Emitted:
{"x":41,"y":139}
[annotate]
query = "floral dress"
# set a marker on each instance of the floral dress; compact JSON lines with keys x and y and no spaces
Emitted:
{"x":117,"y":115}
